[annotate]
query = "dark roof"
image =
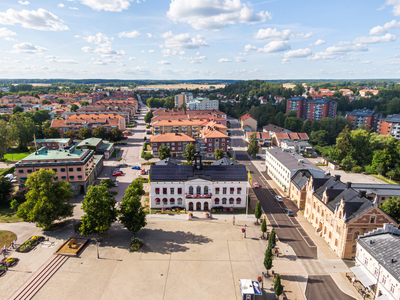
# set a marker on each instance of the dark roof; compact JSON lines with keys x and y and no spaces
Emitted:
{"x":167,"y":161}
{"x":297,"y":98}
{"x":362,"y":112}
{"x":291,"y":160}
{"x":336,"y":191}
{"x":209,"y":172}
{"x":392,"y":118}
{"x":274,"y":128}
{"x":384,"y":247}
{"x":224,"y":162}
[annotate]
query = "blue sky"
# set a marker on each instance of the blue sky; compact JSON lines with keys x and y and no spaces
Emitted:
{"x":200,"y":39}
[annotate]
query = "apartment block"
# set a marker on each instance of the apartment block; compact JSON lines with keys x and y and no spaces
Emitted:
{"x":176,"y":142}
{"x":390,"y":126}
{"x":53,"y":144}
{"x":364,"y":118}
{"x":313,"y":110}
{"x":202,"y":104}
{"x":183,"y":98}
{"x":212,"y":138}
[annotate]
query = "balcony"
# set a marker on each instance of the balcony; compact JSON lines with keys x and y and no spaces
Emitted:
{"x":197,"y":196}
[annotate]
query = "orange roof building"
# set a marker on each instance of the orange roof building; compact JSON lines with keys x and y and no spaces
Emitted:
{"x":248,"y":122}
{"x":176,"y":142}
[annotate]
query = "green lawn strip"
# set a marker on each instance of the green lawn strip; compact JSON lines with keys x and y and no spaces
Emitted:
{"x":155,"y":211}
{"x":115,"y":153}
{"x":386,"y":179}
{"x":6,"y":237}
{"x":7,"y":215}
{"x":16,"y":156}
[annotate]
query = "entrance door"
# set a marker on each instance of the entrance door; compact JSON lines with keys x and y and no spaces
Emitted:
{"x":205,"y":205}
{"x":190,"y":205}
{"x":198,"y":206}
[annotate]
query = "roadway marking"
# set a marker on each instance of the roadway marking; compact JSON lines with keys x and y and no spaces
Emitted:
{"x":274,"y":220}
{"x":305,"y":239}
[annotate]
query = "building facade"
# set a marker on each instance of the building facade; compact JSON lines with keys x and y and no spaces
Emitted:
{"x":183,"y":98}
{"x":52,"y":144}
{"x":78,"y":167}
{"x":198,"y":187}
{"x":390,"y":126}
{"x":214,"y":139}
{"x":248,"y":123}
{"x":313,"y":110}
{"x":176,"y":142}
{"x":364,"y":118}
{"x":203,"y":104}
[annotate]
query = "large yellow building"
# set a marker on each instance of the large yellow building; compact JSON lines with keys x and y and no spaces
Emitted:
{"x":338,"y":212}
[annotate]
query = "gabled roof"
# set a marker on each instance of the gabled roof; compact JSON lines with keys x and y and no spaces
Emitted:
{"x":246,"y":116}
{"x":171,"y":137}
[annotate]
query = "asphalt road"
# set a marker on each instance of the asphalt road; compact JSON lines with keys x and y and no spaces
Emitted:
{"x":323,"y":287}
{"x":287,"y":228}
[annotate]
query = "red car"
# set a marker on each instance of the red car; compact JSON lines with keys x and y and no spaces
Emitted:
{"x":256,"y":186}
{"x":119,"y":173}
{"x":143,"y":172}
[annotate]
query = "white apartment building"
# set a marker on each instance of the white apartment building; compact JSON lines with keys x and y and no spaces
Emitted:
{"x":183,"y":98}
{"x":281,"y":165}
{"x":198,"y":187}
{"x":203,"y":104}
{"x":378,"y":262}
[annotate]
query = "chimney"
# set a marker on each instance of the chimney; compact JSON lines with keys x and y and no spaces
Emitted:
{"x":337,"y":177}
{"x":362,"y":194}
{"x":348,"y":185}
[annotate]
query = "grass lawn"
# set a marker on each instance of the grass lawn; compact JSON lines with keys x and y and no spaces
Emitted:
{"x":115,"y":153}
{"x":384,"y":179}
{"x":154,"y":211}
{"x":6,"y":237}
{"x":7,"y":215}
{"x":16,"y":156}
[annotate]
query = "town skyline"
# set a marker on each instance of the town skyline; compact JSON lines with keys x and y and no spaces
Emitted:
{"x":178,"y":39}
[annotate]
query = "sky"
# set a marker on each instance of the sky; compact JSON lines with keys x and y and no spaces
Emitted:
{"x":200,"y":39}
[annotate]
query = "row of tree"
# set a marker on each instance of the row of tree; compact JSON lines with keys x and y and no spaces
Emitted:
{"x":165,"y":152}
{"x":48,"y":202}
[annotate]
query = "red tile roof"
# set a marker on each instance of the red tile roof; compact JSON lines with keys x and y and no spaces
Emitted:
{"x":171,"y":137}
{"x":246,"y":116}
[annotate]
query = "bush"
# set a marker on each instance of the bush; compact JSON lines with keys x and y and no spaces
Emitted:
{"x":7,"y":171}
{"x":145,"y":138}
{"x":148,"y":164}
{"x":119,"y":158}
{"x":357,"y":169}
{"x":148,"y":156}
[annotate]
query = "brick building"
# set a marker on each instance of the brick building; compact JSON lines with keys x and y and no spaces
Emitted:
{"x":364,"y":117}
{"x":390,"y":126}
{"x":176,"y":142}
{"x":213,"y":138}
{"x":53,"y":144}
{"x":313,"y":110}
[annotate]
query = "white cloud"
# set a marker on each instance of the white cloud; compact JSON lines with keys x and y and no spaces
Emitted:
{"x":285,"y":61}
{"x":183,"y":41}
{"x":10,"y":39}
{"x":169,"y":52}
{"x":106,"y":5}
{"x":150,"y":35}
{"x":23,"y":2}
{"x":275,"y":35}
{"x":249,"y":48}
{"x":132,"y":58}
{"x":129,"y":34}
{"x":221,"y":60}
{"x":214,"y":14}
{"x":375,"y":39}
{"x":73,"y":8}
{"x":99,"y":38}
{"x":4,"y":32}
{"x":339,"y":50}
{"x":364,"y":62}
{"x":60,"y":5}
{"x":385,"y":28}
{"x":396,"y":6}
{"x":298,"y":53}
{"x":28,"y":48}
{"x":64,"y":61}
{"x":39,"y":20}
{"x":194,"y":60}
{"x":317,"y":43}
{"x":272,"y":34}
{"x":164,"y":62}
{"x":275,"y":46}
{"x":104,"y":50}
{"x":151,"y":51}
{"x":240,"y":59}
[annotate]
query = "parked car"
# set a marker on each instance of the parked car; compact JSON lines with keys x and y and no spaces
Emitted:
{"x":125,"y":138}
{"x":278,"y":198}
{"x":9,"y":177}
{"x":120,"y":166}
{"x":148,"y":132}
{"x":136,"y":168}
{"x":288,"y":212}
{"x":117,"y":173}
{"x":316,"y":161}
{"x":256,"y":186}
{"x":143,"y":172}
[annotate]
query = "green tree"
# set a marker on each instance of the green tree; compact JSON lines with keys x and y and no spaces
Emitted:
{"x":299,"y":89}
{"x":46,"y":200}
{"x":100,"y":132}
{"x":14,"y":204}
{"x":84,"y":133}
{"x":148,"y":156}
{"x":100,"y":211}
{"x":51,"y":133}
{"x":343,"y":145}
{"x":61,"y":101}
{"x":258,"y":211}
{"x":132,"y":215}
{"x":22,"y":130}
{"x":391,"y":174}
{"x":74,"y":107}
{"x":69,"y":134}
{"x":292,"y":114}
{"x":17,"y":109}
{"x":218,"y":153}
{"x":272,"y":237}
{"x":44,"y":102}
{"x":392,"y":207}
{"x":293,"y":124}
{"x":4,"y":138}
{"x":253,"y":148}
{"x":264,"y":226}
{"x":319,"y":138}
{"x":164,"y":152}
{"x":268,"y":258}
{"x":148,"y":117}
{"x":278,"y":288}
{"x":108,"y":183}
{"x":46,"y":124}
{"x":116,"y":134}
{"x":190,"y":151}
{"x":84,"y":103}
{"x":5,"y":190}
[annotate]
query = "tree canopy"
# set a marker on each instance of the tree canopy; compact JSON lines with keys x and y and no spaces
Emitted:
{"x":391,"y":206}
{"x":132,"y":215}
{"x":218,"y":153}
{"x":164,"y":152}
{"x":190,"y":151}
{"x":84,"y":133}
{"x":253,"y":147}
{"x":148,"y":116}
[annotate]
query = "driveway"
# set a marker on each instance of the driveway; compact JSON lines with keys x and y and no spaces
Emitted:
{"x":324,"y":288}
